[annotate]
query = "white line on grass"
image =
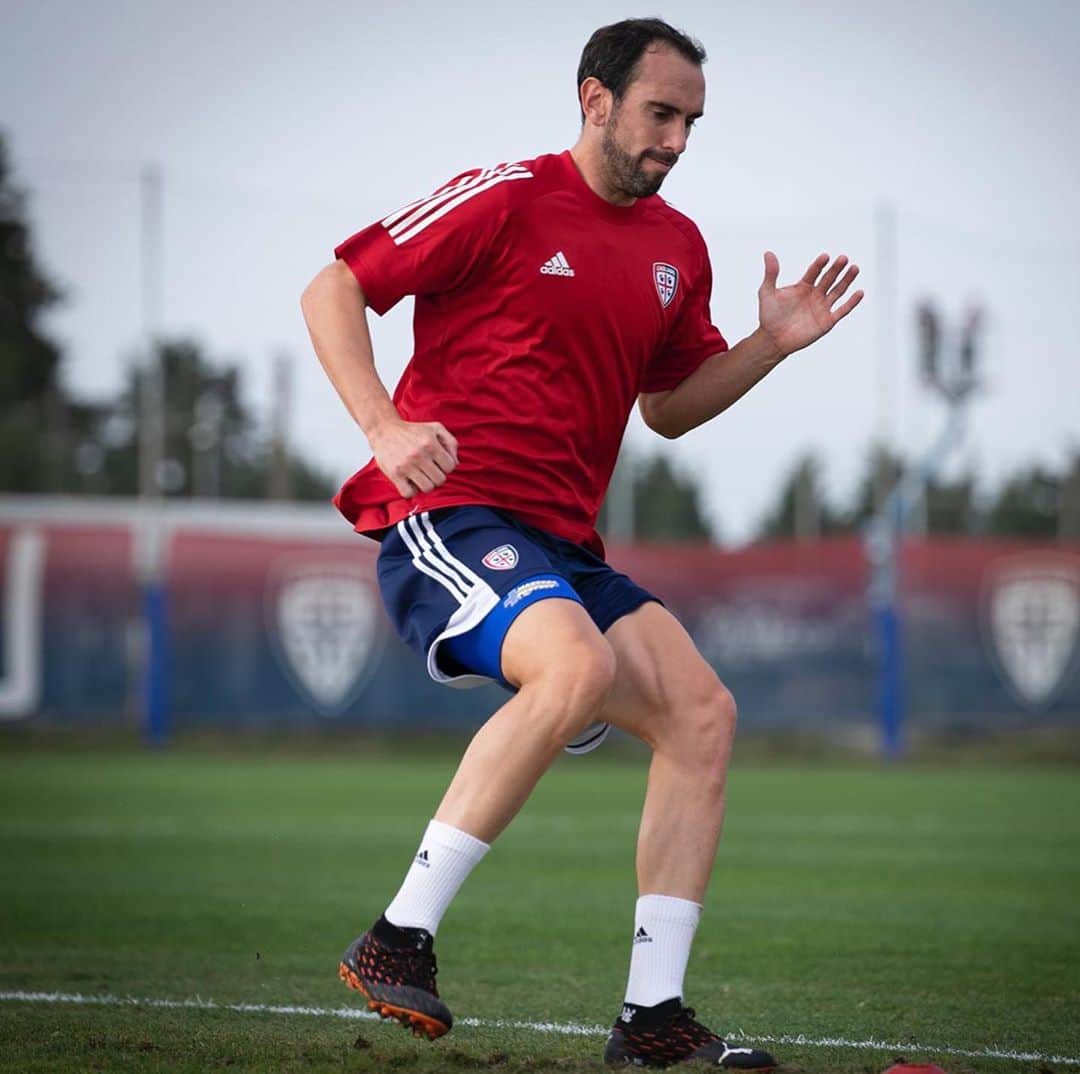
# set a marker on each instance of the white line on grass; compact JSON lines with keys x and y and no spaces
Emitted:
{"x":569,"y":1029}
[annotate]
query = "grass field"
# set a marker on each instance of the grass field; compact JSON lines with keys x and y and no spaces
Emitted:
{"x":936,"y":912}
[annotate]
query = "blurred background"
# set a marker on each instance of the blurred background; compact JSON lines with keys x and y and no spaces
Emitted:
{"x":881,"y":541}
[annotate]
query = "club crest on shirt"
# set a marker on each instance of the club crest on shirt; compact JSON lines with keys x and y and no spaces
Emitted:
{"x":666,"y":278}
{"x":503,"y":558}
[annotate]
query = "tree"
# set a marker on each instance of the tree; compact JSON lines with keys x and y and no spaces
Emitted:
{"x":800,"y":509}
{"x":32,"y":401}
{"x":1027,"y":505}
{"x":950,"y":507}
{"x":666,"y":505}
{"x":1069,"y":513}
{"x":213,"y":446}
{"x":882,"y":471}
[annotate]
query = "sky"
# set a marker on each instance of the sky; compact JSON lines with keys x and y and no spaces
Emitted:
{"x":280,"y":129}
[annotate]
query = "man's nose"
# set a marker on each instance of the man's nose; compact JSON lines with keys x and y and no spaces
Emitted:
{"x":676,"y":136}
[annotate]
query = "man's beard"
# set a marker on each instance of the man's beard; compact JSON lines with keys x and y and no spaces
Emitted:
{"x":624,"y":172}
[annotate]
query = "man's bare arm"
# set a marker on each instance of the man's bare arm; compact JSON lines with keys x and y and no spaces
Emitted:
{"x":790,"y":318}
{"x":415,"y":456}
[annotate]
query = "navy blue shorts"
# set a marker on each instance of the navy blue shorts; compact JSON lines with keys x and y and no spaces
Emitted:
{"x":454,"y":579}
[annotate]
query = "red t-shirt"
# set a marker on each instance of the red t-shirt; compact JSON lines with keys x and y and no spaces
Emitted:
{"x":542,"y":310}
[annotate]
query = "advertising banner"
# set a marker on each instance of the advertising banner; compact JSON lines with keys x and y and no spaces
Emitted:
{"x":274,"y":620}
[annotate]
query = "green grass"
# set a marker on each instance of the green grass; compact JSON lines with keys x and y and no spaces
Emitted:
{"x":922,"y":906}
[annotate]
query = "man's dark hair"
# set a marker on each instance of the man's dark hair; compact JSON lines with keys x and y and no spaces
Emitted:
{"x":612,"y":53}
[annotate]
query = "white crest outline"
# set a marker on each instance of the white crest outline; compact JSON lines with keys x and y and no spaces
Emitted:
{"x":307,"y":602}
{"x":1021,"y":597}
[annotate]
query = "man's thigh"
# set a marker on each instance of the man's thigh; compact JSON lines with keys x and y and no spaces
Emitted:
{"x":661,"y":679}
{"x":551,"y":633}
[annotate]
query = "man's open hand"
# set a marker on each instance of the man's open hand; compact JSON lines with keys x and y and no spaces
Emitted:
{"x":415,"y":455}
{"x":794,"y":317}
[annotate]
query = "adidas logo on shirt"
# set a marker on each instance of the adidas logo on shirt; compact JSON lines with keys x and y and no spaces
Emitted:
{"x":641,"y":936}
{"x":422,"y":859}
{"x":556,"y":265}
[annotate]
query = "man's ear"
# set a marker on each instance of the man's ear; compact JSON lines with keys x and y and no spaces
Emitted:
{"x":596,"y":101}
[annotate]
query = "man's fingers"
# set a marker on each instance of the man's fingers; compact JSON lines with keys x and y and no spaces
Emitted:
{"x":421,"y":478}
{"x":811,"y":274}
{"x":418,"y":458}
{"x":845,"y":282}
{"x":832,"y":272}
{"x":772,"y":271}
{"x":447,"y":441}
{"x":443,"y":459}
{"x":847,"y":307}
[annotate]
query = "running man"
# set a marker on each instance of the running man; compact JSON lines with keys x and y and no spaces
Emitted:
{"x":552,"y":294}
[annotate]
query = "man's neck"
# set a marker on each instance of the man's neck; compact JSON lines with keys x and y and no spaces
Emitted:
{"x":588,"y":159}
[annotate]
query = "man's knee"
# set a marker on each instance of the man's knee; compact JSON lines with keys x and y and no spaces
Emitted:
{"x":583,"y":673}
{"x":573,"y":686}
{"x":702,"y":723}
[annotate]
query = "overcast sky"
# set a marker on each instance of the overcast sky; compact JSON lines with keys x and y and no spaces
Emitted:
{"x":281,"y":128}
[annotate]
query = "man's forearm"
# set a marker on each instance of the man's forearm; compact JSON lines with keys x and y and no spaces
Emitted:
{"x":336,"y":316}
{"x":717,"y":383}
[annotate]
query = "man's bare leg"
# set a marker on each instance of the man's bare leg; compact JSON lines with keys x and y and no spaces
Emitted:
{"x":564,"y":670}
{"x":667,"y":695}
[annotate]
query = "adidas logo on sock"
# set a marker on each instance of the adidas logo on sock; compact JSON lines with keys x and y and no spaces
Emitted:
{"x":641,"y":936}
{"x":422,"y":859}
{"x":557,"y":265}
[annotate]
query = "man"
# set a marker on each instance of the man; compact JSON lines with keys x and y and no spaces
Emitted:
{"x":550,"y":295}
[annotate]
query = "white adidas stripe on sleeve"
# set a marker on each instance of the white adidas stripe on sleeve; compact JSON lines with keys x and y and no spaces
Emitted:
{"x":464,"y":181}
{"x":403,"y":218}
{"x":412,"y":219}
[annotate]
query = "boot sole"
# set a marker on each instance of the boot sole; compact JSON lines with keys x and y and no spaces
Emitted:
{"x":419,"y":1023}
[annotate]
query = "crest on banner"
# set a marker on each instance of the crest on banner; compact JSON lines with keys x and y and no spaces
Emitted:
{"x":1032,"y":616}
{"x":323,"y":619}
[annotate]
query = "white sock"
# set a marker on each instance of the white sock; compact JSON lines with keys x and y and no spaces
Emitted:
{"x":445,"y":858}
{"x":664,"y":929}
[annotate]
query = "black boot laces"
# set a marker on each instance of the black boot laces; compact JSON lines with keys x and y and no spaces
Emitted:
{"x":695,"y":1031}
{"x":419,"y":965}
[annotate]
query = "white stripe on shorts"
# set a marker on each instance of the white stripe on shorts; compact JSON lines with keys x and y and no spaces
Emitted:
{"x":457,"y":590}
{"x":471,"y":578}
{"x":435,"y":558}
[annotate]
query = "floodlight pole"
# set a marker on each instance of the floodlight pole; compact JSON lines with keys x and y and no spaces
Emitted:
{"x":885,"y":334}
{"x":150,"y":537}
{"x":955,"y":381}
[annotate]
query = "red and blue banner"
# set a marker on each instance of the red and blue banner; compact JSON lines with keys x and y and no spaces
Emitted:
{"x":274,"y":620}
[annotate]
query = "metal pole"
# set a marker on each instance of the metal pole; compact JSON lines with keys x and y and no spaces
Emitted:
{"x":151,"y":387}
{"x":886,"y":399}
{"x":151,"y":536}
{"x":620,"y":499}
{"x":280,"y":485}
{"x":883,"y":542}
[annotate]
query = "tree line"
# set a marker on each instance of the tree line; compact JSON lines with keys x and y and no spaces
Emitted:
{"x":54,"y":441}
{"x":1035,"y":501}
